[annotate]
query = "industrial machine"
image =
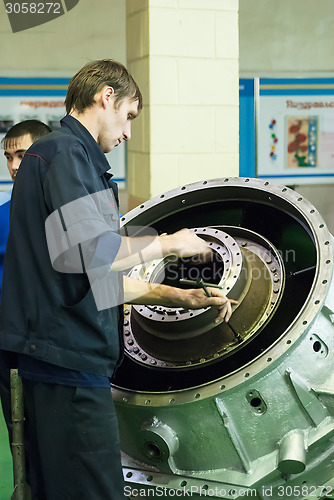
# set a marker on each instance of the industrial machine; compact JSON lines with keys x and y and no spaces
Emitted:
{"x":238,"y":409}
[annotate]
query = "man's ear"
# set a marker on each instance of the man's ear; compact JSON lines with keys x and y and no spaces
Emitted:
{"x":107,"y":96}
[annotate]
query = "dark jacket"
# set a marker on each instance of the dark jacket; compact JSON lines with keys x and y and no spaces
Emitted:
{"x":48,"y":310}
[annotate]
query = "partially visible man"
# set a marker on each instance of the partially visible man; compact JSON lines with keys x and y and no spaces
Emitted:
{"x":17,"y":140}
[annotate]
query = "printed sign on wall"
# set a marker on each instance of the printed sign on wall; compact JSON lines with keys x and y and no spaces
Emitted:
{"x":296,"y":130}
{"x":42,"y":99}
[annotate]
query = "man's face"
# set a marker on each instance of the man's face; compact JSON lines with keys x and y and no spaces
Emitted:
{"x":14,"y":151}
{"x":116,"y":125}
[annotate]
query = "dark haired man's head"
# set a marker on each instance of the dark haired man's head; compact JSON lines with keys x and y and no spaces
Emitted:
{"x":18,"y":139}
{"x":105,"y":99}
{"x":91,"y":79}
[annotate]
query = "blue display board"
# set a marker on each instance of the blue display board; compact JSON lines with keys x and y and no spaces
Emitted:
{"x":247,"y":127}
{"x":42,"y":99}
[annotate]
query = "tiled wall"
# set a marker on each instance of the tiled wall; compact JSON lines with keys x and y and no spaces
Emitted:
{"x":184,"y":56}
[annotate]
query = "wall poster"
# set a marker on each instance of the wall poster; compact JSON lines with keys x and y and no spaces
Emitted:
{"x":42,"y":99}
{"x":295,"y":130}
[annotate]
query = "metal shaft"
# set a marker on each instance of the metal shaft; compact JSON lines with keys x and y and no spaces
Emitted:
{"x":18,"y":436}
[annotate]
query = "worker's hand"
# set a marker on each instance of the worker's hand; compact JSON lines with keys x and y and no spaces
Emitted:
{"x":197,"y":299}
{"x":185,"y":243}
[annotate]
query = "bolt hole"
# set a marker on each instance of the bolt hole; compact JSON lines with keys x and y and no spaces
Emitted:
{"x":269,"y":359}
{"x":183,"y":188}
{"x":222,"y":387}
{"x":141,"y":206}
{"x":184,"y":483}
{"x":288,"y":341}
{"x":129,"y":474}
{"x":197,"y":396}
{"x":304,"y":322}
{"x":205,"y":182}
{"x":255,"y":402}
{"x":162,"y":196}
{"x":247,"y":374}
{"x":149,"y":478}
{"x":152,"y":451}
{"x":316,"y":346}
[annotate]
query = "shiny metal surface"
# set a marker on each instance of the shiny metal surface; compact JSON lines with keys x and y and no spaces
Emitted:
{"x":247,"y":268}
{"x":255,"y":413}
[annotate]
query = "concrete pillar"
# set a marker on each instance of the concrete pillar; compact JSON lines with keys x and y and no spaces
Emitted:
{"x":184,"y":56}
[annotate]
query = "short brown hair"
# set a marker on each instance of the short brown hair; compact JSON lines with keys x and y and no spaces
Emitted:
{"x":93,"y":77}
{"x":35,"y":128}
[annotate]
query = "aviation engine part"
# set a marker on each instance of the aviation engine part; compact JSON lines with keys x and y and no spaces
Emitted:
{"x":245,"y":407}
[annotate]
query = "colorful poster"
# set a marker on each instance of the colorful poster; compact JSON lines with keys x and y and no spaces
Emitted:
{"x":295,"y":130}
{"x":302,"y":138}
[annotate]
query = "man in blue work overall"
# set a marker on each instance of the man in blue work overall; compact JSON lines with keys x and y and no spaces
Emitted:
{"x":61,"y":307}
{"x":17,"y":140}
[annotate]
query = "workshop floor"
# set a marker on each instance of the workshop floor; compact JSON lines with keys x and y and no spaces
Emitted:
{"x":6,"y":467}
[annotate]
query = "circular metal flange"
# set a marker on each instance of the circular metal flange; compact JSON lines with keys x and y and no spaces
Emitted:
{"x":176,"y":338}
{"x":178,"y":323}
{"x":249,"y":203}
